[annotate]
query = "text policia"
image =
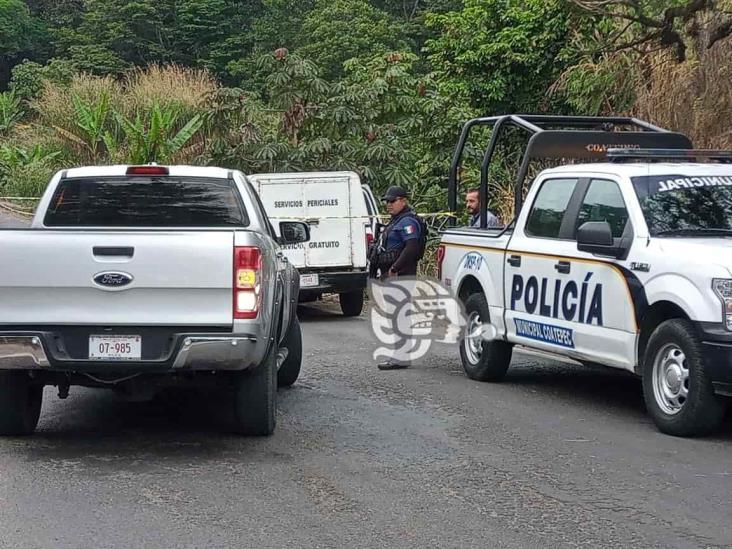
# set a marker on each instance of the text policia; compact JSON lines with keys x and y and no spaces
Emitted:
{"x":561,"y":299}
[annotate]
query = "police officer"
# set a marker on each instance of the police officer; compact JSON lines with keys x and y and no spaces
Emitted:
{"x":403,"y":246}
{"x":402,"y":236}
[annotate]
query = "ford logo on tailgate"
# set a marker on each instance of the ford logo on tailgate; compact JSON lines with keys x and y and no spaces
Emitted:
{"x":113,"y":280}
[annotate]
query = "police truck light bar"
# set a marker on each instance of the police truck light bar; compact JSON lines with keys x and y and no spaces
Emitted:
{"x":683,"y":155}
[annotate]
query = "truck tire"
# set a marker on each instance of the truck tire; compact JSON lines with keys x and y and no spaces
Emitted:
{"x":676,"y":388}
{"x":290,"y":369}
{"x":255,"y":398}
{"x":483,"y":360}
{"x":20,"y":403}
{"x":351,"y":302}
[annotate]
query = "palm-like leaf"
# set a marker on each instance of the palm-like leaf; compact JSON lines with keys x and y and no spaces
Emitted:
{"x":185,"y":134}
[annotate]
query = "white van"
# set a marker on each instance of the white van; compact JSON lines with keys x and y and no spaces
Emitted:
{"x":341,"y":214}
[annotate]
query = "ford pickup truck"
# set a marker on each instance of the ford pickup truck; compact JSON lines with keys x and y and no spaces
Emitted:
{"x":138,"y":277}
{"x":625,"y":263}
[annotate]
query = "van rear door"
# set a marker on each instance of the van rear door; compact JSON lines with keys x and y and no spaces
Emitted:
{"x":323,"y":200}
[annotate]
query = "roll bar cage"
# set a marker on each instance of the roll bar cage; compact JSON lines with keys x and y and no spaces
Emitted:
{"x":572,"y":137}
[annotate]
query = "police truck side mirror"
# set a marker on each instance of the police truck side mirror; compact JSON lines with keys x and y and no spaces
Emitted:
{"x":596,"y":237}
{"x":294,"y":232}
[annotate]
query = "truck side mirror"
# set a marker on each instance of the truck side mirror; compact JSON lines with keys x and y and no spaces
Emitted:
{"x":596,"y":237}
{"x":294,"y":232}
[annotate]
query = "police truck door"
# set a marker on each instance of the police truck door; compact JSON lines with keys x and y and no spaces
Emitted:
{"x":557,"y":298}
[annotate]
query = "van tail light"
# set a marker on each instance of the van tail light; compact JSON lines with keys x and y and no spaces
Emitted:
{"x":247,"y":281}
{"x":369,"y":238}
{"x":440,"y":259}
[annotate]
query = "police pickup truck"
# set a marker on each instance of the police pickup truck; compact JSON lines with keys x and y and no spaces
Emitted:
{"x":134,"y":278}
{"x":625,"y":263}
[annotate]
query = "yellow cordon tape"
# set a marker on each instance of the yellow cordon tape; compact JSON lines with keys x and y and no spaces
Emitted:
{"x":365,"y":217}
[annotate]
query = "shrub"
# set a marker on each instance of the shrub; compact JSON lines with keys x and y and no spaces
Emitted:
{"x":56,"y":107}
{"x":187,"y":89}
{"x":11,"y":111}
{"x":29,"y":77}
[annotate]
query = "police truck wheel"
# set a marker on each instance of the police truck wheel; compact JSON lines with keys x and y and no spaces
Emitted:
{"x":255,"y":398}
{"x":677,"y":390}
{"x":20,"y":403}
{"x":482,"y":360}
{"x":290,"y":369}
{"x":351,"y":303}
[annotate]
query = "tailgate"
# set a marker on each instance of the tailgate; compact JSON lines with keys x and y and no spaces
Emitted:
{"x":324,"y":202}
{"x":177,"y":278}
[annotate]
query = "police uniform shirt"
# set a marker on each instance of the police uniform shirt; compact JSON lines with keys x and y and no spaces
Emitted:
{"x":405,"y":228}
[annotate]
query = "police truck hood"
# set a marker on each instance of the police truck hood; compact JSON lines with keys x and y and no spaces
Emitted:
{"x":702,"y":250}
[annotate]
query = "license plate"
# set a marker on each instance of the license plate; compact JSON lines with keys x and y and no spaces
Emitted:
{"x":308,"y":280}
{"x":115,"y":347}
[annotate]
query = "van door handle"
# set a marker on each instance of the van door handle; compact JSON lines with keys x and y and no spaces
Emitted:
{"x":563,"y":267}
{"x":514,"y":260}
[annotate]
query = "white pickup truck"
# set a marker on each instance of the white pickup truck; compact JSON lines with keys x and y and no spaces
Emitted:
{"x":625,"y":263}
{"x":137,"y":277}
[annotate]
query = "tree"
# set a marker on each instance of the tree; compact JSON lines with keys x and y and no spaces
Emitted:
{"x":656,"y":24}
{"x":382,"y":120}
{"x":213,"y":33}
{"x":339,"y":30}
{"x":413,"y":9}
{"x":28,"y":77}
{"x":112,"y":35}
{"x":500,"y":55}
{"x":21,"y":35}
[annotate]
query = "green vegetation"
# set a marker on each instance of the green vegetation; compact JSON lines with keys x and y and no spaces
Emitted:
{"x":378,"y":87}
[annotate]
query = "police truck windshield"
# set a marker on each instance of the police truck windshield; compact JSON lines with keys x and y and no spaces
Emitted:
{"x":684,"y":205}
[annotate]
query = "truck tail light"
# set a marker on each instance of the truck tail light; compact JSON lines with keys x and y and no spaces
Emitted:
{"x":247,"y":281}
{"x":369,"y":239}
{"x":147,"y":170}
{"x":440,"y":259}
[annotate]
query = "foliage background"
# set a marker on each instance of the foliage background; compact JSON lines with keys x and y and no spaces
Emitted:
{"x":378,"y":87}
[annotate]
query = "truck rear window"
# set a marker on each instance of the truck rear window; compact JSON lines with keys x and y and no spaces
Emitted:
{"x":146,"y":202}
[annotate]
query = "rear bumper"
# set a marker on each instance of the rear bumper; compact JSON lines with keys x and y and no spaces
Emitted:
{"x":190,"y":352}
{"x":336,"y":282}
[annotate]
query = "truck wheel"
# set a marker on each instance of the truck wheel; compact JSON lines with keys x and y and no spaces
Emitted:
{"x":20,"y":403}
{"x":678,"y":393}
{"x":482,"y":360}
{"x":255,"y":398}
{"x":351,"y":302}
{"x":290,"y":369}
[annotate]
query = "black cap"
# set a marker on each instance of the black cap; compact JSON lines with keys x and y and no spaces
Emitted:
{"x":393,"y":193}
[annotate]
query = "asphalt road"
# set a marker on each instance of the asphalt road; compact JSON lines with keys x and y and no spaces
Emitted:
{"x":555,"y":456}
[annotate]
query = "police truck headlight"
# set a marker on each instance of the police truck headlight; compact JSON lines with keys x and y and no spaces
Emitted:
{"x":723,"y":288}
